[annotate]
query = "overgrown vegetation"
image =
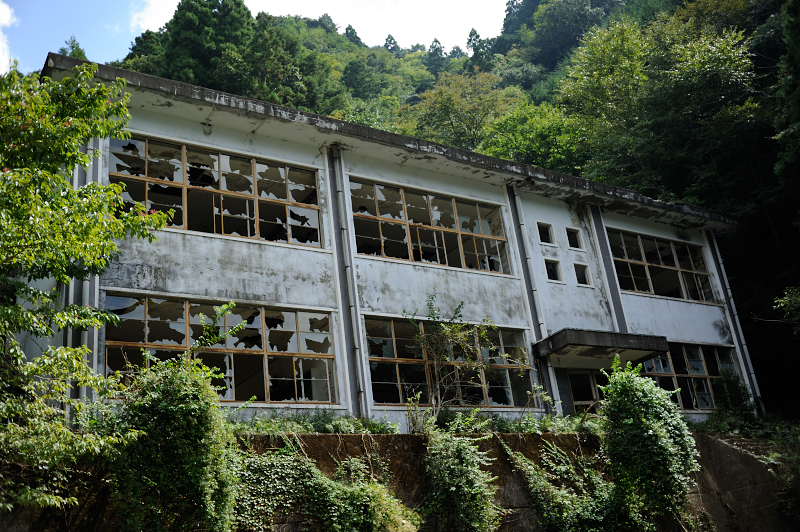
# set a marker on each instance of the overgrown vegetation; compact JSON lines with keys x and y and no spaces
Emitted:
{"x":642,"y":475}
{"x":279,"y":424}
{"x":779,"y":438}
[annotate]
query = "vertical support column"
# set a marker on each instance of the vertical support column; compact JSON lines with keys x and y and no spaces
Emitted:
{"x":351,"y":322}
{"x":546,"y":378}
{"x":612,"y":283}
{"x":733,"y":320}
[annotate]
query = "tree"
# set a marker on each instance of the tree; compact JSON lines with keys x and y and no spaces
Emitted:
{"x":392,"y":46}
{"x":360,"y":79}
{"x":195,"y":36}
{"x":458,"y":109}
{"x":50,"y":234}
{"x":353,"y":37}
{"x":481,"y":58}
{"x":435,"y":60}
{"x":788,"y":119}
{"x":559,"y":24}
{"x":72,"y":49}
{"x":540,"y":135}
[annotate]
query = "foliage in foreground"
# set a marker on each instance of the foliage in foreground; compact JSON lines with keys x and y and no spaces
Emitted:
{"x":462,"y":494}
{"x":316,"y":422}
{"x":287,"y":480}
{"x":51,"y":233}
{"x":179,"y":474}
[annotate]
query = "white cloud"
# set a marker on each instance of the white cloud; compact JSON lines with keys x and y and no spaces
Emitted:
{"x":7,"y":18}
{"x":153,"y":15}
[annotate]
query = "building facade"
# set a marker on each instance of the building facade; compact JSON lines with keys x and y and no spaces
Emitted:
{"x":327,"y":235}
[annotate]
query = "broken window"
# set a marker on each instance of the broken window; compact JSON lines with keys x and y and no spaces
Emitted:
{"x":274,"y":355}
{"x":574,"y":238}
{"x":695,"y":369}
{"x":219,"y":193}
{"x":553,"y":270}
{"x":582,"y":274}
{"x":545,"y":233}
{"x":412,"y":225}
{"x":399,"y":367}
{"x":656,"y":266}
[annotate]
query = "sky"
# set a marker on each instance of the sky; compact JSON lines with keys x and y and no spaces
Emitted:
{"x":105,"y":29}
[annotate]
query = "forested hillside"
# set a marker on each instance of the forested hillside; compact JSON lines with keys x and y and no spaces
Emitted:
{"x":694,"y":102}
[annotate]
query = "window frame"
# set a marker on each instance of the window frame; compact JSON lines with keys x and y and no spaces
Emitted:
{"x":682,"y":273}
{"x":544,"y":225}
{"x":254,"y":197}
{"x":264,"y":352}
{"x":428,"y":364}
{"x":585,"y":267}
{"x":414,"y":242}
{"x":680,"y":349}
{"x":560,"y":274}
{"x":577,"y":232}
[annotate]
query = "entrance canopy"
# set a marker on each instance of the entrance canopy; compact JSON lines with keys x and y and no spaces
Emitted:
{"x":578,"y":348}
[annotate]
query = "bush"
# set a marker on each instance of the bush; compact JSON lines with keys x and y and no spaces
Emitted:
{"x":650,"y":449}
{"x":180,"y":473}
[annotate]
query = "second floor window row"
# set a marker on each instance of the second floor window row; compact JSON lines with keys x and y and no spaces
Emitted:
{"x":220,"y":193}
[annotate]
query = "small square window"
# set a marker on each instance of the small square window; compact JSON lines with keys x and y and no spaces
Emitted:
{"x":574,"y":238}
{"x":582,"y":274}
{"x":545,"y":233}
{"x":553,"y":270}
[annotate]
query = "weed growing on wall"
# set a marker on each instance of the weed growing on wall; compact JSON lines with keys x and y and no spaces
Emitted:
{"x":287,"y":480}
{"x":462,"y":494}
{"x":319,"y":422}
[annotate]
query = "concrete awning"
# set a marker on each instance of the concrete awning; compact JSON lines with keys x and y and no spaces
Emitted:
{"x":577,"y":348}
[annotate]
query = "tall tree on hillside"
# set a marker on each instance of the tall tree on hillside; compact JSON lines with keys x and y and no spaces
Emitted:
{"x":558,"y":26}
{"x":392,"y":46}
{"x":196,"y":34}
{"x":352,"y":36}
{"x":458,"y":109}
{"x":436,"y":61}
{"x":360,"y":79}
{"x":481,"y":58}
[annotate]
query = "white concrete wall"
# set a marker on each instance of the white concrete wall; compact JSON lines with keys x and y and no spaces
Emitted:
{"x":565,"y":304}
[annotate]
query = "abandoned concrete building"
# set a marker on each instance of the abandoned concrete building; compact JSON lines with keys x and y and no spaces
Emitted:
{"x":325,"y":233}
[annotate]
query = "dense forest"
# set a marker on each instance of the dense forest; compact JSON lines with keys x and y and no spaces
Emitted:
{"x":694,"y":101}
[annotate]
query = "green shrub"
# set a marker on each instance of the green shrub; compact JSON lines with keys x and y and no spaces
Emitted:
{"x":462,"y":495}
{"x":180,"y":473}
{"x":648,"y":444}
{"x":288,"y":480}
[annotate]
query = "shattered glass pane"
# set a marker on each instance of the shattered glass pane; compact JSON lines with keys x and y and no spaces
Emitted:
{"x":283,"y":341}
{"x":314,"y":322}
{"x":163,"y":198}
{"x":318,"y":343}
{"x":238,"y":216}
{"x":276,"y":319}
{"x":417,"y":208}
{"x":164,"y":161}
{"x":131,"y":327}
{"x":272,"y":221}
{"x":678,"y":360}
{"x":203,"y":168}
{"x":640,"y":279}
{"x":237,"y":174}
{"x":695,"y":358}
{"x":281,"y":379}
{"x":271,"y":180}
{"x":395,"y":240}
{"x":521,"y":388}
{"x":491,"y":221}
{"x":390,"y":202}
{"x":442,"y":212}
{"x":703,"y":393}
{"x":248,"y":377}
{"x":118,"y":359}
{"x":726,"y":360}
{"x":127,"y":157}
{"x":196,"y":322}
{"x":362,"y":196}
{"x":303,"y":185}
{"x":430,"y":247}
{"x":312,"y":382}
{"x":134,"y":192}
{"x":468,"y":217}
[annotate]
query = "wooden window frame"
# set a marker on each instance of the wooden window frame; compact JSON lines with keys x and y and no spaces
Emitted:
{"x":254,"y":196}
{"x":264,"y":352}
{"x":684,"y":274}
{"x":412,"y":229}
{"x":428,"y":365}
